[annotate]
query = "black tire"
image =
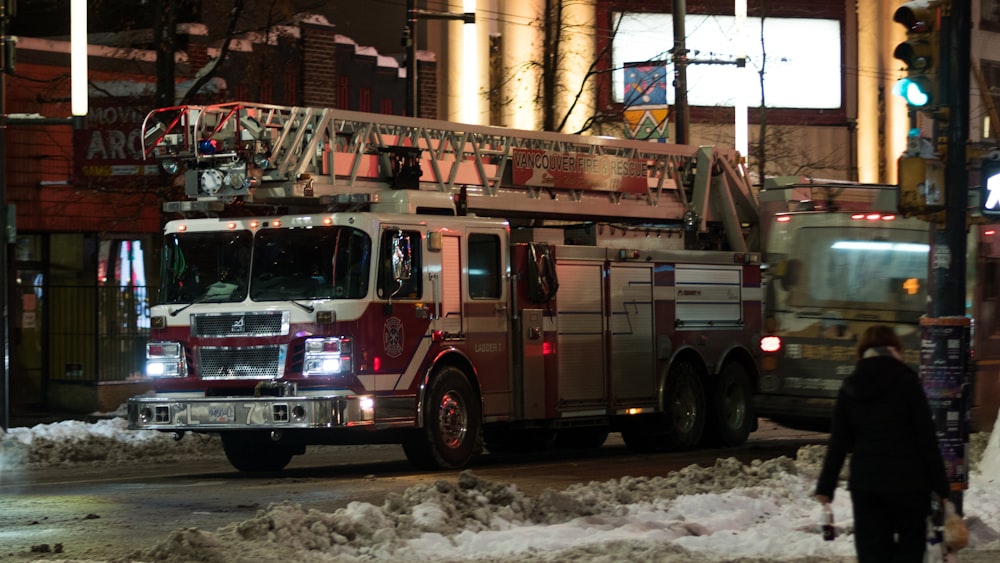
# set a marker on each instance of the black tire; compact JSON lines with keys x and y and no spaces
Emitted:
{"x":730,"y":410}
{"x":255,"y":452}
{"x":684,"y":406}
{"x":680,"y":425}
{"x":452,"y":429}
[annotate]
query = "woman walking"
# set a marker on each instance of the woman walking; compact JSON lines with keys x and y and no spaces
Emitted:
{"x":882,"y":418}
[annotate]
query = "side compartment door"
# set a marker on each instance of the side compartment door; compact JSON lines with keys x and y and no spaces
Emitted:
{"x":632,"y":346}
{"x":580,"y":334}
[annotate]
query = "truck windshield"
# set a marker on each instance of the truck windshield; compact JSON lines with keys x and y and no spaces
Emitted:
{"x":310,"y":263}
{"x":838,"y":267}
{"x":207,"y":267}
{"x":274,"y":265}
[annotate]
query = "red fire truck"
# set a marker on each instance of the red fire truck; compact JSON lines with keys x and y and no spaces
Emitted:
{"x":340,"y":277}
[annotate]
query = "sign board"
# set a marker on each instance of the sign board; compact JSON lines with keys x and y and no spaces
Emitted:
{"x":573,"y":171}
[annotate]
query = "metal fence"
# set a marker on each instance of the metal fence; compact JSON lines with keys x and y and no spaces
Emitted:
{"x":95,"y":333}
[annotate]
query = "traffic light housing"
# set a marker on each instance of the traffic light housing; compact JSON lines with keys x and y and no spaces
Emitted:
{"x":989,"y":186}
{"x":921,"y":53}
{"x":921,"y":191}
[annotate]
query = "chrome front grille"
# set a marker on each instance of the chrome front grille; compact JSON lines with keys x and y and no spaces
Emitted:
{"x":262,"y":323}
{"x":251,"y":362}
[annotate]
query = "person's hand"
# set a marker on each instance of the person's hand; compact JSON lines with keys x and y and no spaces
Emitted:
{"x":823,"y":499}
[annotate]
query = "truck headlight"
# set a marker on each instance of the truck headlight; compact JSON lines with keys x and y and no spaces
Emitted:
{"x":165,"y":359}
{"x":327,"y":356}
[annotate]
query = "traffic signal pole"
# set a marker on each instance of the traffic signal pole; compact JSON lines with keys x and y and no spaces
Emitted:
{"x":959,"y":27}
{"x":946,"y":340}
{"x":935,"y":187}
{"x":953,"y":128}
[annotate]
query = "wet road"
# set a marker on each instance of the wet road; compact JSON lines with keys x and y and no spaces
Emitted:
{"x":107,"y":512}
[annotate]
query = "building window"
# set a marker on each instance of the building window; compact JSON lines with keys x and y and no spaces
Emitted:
{"x":991,"y":78}
{"x":989,"y":15}
{"x":343,"y":92}
{"x":266,"y":91}
{"x":798,"y":50}
{"x":291,"y":88}
{"x":365,"y":99}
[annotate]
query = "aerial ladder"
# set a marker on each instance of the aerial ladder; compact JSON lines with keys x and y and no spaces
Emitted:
{"x":293,"y":156}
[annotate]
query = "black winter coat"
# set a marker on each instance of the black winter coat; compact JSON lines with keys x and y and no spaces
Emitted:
{"x":883,"y":419}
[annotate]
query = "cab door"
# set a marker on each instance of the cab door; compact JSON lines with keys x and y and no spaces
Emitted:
{"x":486,"y":316}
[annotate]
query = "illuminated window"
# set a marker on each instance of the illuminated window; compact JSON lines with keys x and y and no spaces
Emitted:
{"x":803,"y":66}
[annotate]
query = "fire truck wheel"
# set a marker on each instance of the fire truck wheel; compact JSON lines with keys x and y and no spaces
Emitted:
{"x":730,"y":407}
{"x":452,"y":432}
{"x":255,"y":452}
{"x":684,"y":402}
{"x":681,"y":424}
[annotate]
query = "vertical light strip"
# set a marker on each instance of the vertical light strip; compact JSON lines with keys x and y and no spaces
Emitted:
{"x":741,"y":125}
{"x":522,"y":42}
{"x":78,"y":56}
{"x":469,"y":88}
{"x":577,"y":53}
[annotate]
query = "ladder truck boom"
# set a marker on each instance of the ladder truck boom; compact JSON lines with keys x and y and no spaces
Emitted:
{"x":267,"y":153}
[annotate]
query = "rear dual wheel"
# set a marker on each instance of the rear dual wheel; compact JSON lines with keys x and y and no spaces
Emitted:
{"x":682,"y":422}
{"x":731,"y":415}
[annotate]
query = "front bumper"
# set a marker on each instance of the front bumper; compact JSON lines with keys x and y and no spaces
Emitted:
{"x":209,"y":414}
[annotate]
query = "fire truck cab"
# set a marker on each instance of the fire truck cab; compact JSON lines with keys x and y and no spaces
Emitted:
{"x":340,"y":278}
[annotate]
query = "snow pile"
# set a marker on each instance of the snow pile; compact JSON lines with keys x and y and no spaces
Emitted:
{"x":479,"y":520}
{"x":106,"y":441}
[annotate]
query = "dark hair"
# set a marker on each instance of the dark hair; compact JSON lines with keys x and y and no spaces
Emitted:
{"x":878,"y":335}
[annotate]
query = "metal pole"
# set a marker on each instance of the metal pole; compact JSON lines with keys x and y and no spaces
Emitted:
{"x":680,"y":74}
{"x":950,"y":244}
{"x":6,"y":386}
{"x":957,"y":172}
{"x":410,"y":41}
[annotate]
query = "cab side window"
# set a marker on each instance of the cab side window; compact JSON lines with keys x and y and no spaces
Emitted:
{"x":400,"y":272}
{"x":485,"y":272}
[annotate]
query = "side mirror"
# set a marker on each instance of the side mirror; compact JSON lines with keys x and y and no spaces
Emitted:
{"x":402,"y":257}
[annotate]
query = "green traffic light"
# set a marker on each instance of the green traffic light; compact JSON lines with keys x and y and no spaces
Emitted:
{"x":914,"y":92}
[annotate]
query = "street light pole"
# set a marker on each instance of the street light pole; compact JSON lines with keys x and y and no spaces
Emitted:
{"x":681,"y":112}
{"x":410,"y":42}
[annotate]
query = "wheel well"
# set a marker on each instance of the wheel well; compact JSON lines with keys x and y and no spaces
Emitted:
{"x":684,"y":356}
{"x":692,"y":357}
{"x":459,"y":360}
{"x":742,"y":356}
